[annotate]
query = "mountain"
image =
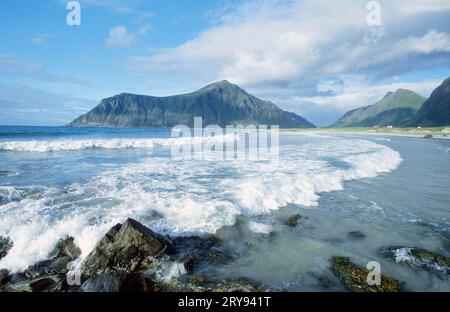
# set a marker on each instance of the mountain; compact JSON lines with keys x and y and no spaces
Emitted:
{"x":396,"y":108}
{"x":436,"y":110}
{"x":220,"y":103}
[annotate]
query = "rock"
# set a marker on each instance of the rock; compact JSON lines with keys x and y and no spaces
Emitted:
{"x":293,"y":220}
{"x":4,"y":277}
{"x":237,"y":285}
{"x":42,"y":284}
{"x":190,"y":264}
{"x":198,"y":284}
{"x":124,"y":248}
{"x":48,"y":267}
{"x":105,"y":282}
{"x":356,"y":235}
{"x":354,"y":277}
{"x":66,"y":248}
{"x":16,"y":278}
{"x":428,"y":136}
{"x":49,"y":283}
{"x":5,"y":246}
{"x":419,"y":258}
{"x":141,"y":282}
{"x":64,"y":252}
{"x":196,"y":252}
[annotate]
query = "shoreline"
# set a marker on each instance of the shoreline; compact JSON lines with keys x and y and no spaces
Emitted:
{"x":436,"y":134}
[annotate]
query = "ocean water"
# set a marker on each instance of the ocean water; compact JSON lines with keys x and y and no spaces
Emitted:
{"x":57,"y":181}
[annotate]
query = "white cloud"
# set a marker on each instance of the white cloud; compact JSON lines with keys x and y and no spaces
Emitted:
{"x":120,"y":37}
{"x":272,"y":41}
{"x":351,"y":93}
{"x":432,"y":41}
{"x":294,"y":47}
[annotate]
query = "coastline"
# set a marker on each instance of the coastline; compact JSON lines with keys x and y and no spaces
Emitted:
{"x":437,"y":133}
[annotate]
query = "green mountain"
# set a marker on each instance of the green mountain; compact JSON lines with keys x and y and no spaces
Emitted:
{"x":396,"y":108}
{"x":435,"y":111}
{"x":220,"y":103}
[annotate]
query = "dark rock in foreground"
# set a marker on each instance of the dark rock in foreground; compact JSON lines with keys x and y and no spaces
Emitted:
{"x":106,"y":282}
{"x":354,"y":277}
{"x":419,"y":258}
{"x":65,"y":252}
{"x":126,"y":247}
{"x":129,"y":258}
{"x":50,"y":283}
{"x":5,"y":246}
{"x":4,"y":277}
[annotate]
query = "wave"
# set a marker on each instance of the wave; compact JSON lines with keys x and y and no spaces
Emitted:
{"x":38,"y":146}
{"x":183,"y":198}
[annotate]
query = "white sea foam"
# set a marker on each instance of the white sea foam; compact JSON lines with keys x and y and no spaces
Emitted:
{"x":260,"y":228}
{"x":75,"y":145}
{"x":177,"y":197}
{"x":169,"y":270}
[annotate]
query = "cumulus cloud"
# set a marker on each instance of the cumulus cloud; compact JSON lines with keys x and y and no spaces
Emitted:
{"x":120,"y":37}
{"x":273,"y":41}
{"x":431,"y":42}
{"x":292,"y":47}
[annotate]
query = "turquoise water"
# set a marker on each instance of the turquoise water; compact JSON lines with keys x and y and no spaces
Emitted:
{"x":72,"y":181}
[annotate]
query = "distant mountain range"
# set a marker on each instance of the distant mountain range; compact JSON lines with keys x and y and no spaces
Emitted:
{"x":220,"y":103}
{"x":403,"y":108}
{"x":396,"y":108}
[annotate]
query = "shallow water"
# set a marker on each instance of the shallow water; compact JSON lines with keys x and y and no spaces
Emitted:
{"x":61,"y":181}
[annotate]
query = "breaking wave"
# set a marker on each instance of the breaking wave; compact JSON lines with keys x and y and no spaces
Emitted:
{"x":76,"y":145}
{"x":180,"y":198}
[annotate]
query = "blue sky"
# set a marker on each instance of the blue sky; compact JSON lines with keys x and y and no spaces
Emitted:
{"x":316,"y":59}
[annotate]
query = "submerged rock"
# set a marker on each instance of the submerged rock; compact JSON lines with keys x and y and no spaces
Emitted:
{"x":126,"y":247}
{"x":419,"y":258}
{"x":198,"y":284}
{"x":354,"y":277}
{"x":293,"y":220}
{"x":5,"y":246}
{"x":356,"y":235}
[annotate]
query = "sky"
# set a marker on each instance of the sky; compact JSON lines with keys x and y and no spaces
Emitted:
{"x":315,"y":58}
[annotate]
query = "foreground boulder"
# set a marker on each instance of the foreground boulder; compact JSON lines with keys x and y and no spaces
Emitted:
{"x":419,"y":258}
{"x":4,"y":277}
{"x":106,"y":282}
{"x":64,"y":252}
{"x":5,"y":245}
{"x":127,"y":247}
{"x":354,"y":277}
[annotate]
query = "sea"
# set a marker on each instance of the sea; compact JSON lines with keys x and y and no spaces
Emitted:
{"x":59,"y":181}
